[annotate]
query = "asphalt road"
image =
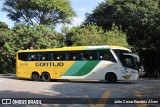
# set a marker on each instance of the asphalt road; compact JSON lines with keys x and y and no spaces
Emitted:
{"x":149,"y":89}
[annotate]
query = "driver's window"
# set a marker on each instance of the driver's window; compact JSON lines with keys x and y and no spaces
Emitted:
{"x":106,"y":55}
{"x":128,"y":62}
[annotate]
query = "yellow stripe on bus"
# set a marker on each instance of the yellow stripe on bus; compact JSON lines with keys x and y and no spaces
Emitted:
{"x":55,"y":68}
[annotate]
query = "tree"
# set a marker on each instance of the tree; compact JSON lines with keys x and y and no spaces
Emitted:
{"x":3,"y":25}
{"x":3,"y":29}
{"x":1,"y":42}
{"x":5,"y":63}
{"x":46,"y":12}
{"x":140,"y":19}
{"x":22,"y":37}
{"x":36,"y":37}
{"x":93,"y":35}
{"x":136,"y":17}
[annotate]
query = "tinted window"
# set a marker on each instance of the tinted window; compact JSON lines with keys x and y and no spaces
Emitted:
{"x":44,"y":56}
{"x":88,"y":55}
{"x":73,"y":55}
{"x":58,"y":56}
{"x":23,"y":56}
{"x":32,"y":57}
{"x":119,"y":54}
{"x":69,"y":55}
{"x":128,"y":61}
{"x":106,"y":55}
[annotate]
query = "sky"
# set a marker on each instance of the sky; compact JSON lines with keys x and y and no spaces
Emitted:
{"x":81,"y":7}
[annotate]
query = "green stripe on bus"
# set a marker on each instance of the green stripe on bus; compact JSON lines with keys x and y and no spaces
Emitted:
{"x":75,"y":68}
{"x":88,"y":67}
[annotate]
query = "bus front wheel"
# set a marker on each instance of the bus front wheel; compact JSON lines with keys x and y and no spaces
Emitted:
{"x":35,"y":76}
{"x":111,"y":78}
{"x":46,"y":77}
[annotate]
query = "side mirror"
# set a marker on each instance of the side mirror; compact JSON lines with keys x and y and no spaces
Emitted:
{"x":137,"y":59}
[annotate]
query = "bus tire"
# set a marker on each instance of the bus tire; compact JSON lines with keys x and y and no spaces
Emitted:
{"x":35,"y":76}
{"x":111,"y":77}
{"x":46,"y":77}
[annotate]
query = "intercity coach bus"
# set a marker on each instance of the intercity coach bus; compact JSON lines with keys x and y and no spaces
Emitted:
{"x":110,"y":63}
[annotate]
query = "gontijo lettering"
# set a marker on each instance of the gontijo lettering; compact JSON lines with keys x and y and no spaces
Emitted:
{"x":50,"y":64}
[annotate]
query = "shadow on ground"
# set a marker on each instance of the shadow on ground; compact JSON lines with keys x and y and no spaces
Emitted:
{"x":13,"y":76}
{"x":89,"y":89}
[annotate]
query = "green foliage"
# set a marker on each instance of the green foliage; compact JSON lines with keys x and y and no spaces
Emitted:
{"x":36,"y":37}
{"x":140,"y":19}
{"x":6,"y":63}
{"x":115,"y":36}
{"x":93,"y":35}
{"x":25,"y":37}
{"x":3,"y":25}
{"x":87,"y":35}
{"x":38,"y":18}
{"x":46,"y":12}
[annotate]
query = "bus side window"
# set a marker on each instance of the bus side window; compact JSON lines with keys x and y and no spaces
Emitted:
{"x":53,"y":57}
{"x":42,"y":56}
{"x":72,"y":56}
{"x":92,"y":55}
{"x":89,"y":55}
{"x":83,"y":56}
{"x":23,"y":56}
{"x":32,"y":57}
{"x":100,"y":57}
{"x":59,"y":56}
{"x":48,"y":56}
{"x":106,"y":55}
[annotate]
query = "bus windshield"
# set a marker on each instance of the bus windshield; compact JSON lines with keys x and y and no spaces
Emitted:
{"x":129,"y":61}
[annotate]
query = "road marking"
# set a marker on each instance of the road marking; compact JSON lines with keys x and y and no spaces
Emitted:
{"x":139,"y":95}
{"x":101,"y":102}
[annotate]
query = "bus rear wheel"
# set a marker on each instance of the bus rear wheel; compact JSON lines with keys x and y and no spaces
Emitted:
{"x":111,"y":78}
{"x":35,"y":76}
{"x":46,"y":77}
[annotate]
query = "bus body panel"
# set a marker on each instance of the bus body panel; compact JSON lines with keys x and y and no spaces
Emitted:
{"x":75,"y":69}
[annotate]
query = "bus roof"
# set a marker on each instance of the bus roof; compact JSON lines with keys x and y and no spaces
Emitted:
{"x":119,"y":47}
{"x":102,"y":47}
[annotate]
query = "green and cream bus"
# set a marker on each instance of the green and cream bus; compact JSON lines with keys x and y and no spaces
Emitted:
{"x":111,"y":63}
